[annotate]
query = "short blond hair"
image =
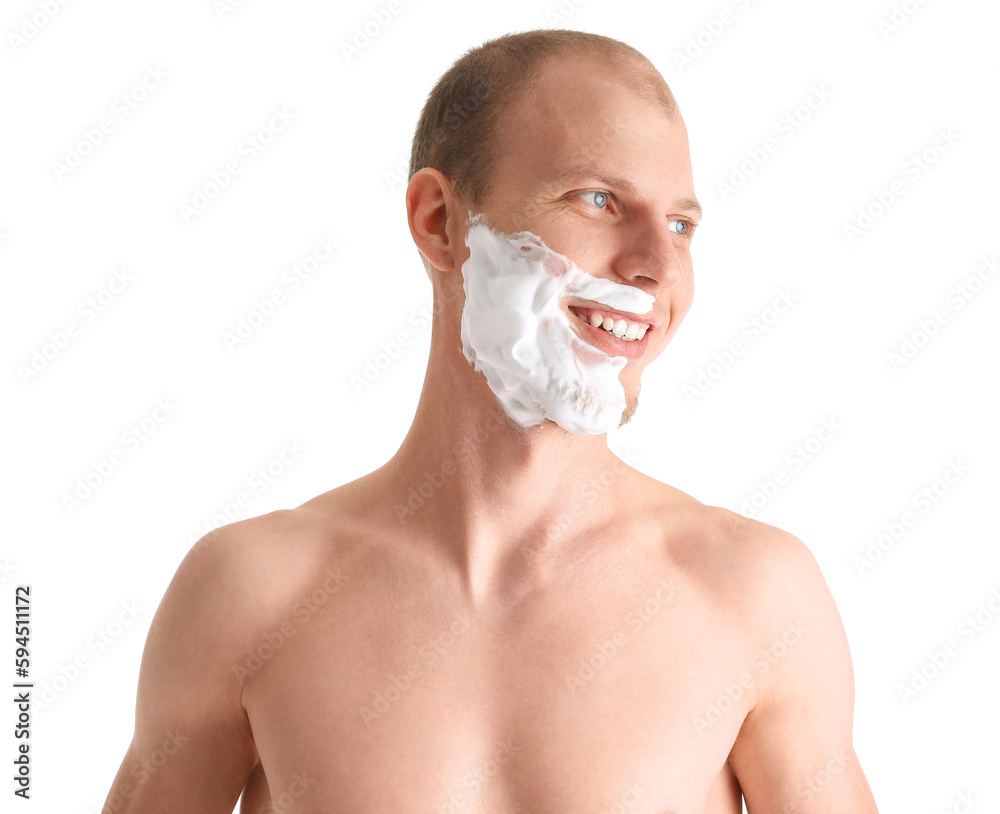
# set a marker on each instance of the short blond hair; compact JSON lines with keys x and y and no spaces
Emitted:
{"x":459,"y":131}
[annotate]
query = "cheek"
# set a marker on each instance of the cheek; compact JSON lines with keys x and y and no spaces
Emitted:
{"x":683,"y":294}
{"x":558,"y":228}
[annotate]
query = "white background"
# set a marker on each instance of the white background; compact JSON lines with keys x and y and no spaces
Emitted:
{"x":336,"y":171}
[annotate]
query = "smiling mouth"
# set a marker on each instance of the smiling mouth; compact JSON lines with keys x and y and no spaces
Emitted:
{"x":613,"y":324}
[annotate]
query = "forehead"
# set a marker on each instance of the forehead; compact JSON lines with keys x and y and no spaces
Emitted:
{"x":578,"y":115}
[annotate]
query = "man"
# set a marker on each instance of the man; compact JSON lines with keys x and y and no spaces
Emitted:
{"x":505,"y":617}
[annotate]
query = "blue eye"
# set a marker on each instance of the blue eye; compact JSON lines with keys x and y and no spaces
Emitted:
{"x":685,"y":227}
{"x":600,"y":198}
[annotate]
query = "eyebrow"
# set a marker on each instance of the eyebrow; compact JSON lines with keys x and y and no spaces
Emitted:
{"x":616,"y":181}
{"x":689,"y":204}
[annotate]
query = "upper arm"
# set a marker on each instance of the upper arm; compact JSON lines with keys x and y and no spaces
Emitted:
{"x":795,"y":752}
{"x":192,"y":749}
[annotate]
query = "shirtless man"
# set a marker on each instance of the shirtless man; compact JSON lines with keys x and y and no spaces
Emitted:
{"x":506,"y":617}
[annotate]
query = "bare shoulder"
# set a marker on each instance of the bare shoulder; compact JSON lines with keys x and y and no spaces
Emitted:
{"x":761,"y":575}
{"x":189,"y":702}
{"x":774,"y":562}
{"x":255,"y":568}
{"x":798,"y":725}
{"x":770,"y":580}
{"x":781,"y":578}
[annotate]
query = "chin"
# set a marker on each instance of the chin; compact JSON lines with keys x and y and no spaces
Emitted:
{"x":631,"y":405}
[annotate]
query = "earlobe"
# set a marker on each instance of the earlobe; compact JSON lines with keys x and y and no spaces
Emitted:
{"x":429,"y":204}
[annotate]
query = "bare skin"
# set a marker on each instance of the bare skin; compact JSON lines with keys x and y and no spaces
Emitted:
{"x":542,"y":628}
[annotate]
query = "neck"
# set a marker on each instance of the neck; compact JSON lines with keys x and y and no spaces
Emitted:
{"x":498,"y":501}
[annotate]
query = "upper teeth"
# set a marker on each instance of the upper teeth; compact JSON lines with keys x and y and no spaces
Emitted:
{"x":620,"y":328}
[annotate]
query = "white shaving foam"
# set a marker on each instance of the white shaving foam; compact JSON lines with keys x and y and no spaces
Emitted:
{"x":514,"y":332}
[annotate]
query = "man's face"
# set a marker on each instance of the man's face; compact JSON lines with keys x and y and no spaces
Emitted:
{"x":603,"y":177}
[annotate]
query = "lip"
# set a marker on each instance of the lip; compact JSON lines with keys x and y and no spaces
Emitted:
{"x":606,"y":341}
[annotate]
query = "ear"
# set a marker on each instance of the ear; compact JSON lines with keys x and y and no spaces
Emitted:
{"x":431,"y":206}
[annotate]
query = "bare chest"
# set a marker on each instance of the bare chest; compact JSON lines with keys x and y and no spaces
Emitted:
{"x":624,"y":704}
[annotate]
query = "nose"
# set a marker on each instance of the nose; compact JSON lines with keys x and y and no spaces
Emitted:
{"x":650,"y":257}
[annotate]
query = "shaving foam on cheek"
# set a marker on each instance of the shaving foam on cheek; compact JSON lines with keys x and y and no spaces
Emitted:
{"x":515,"y":333}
